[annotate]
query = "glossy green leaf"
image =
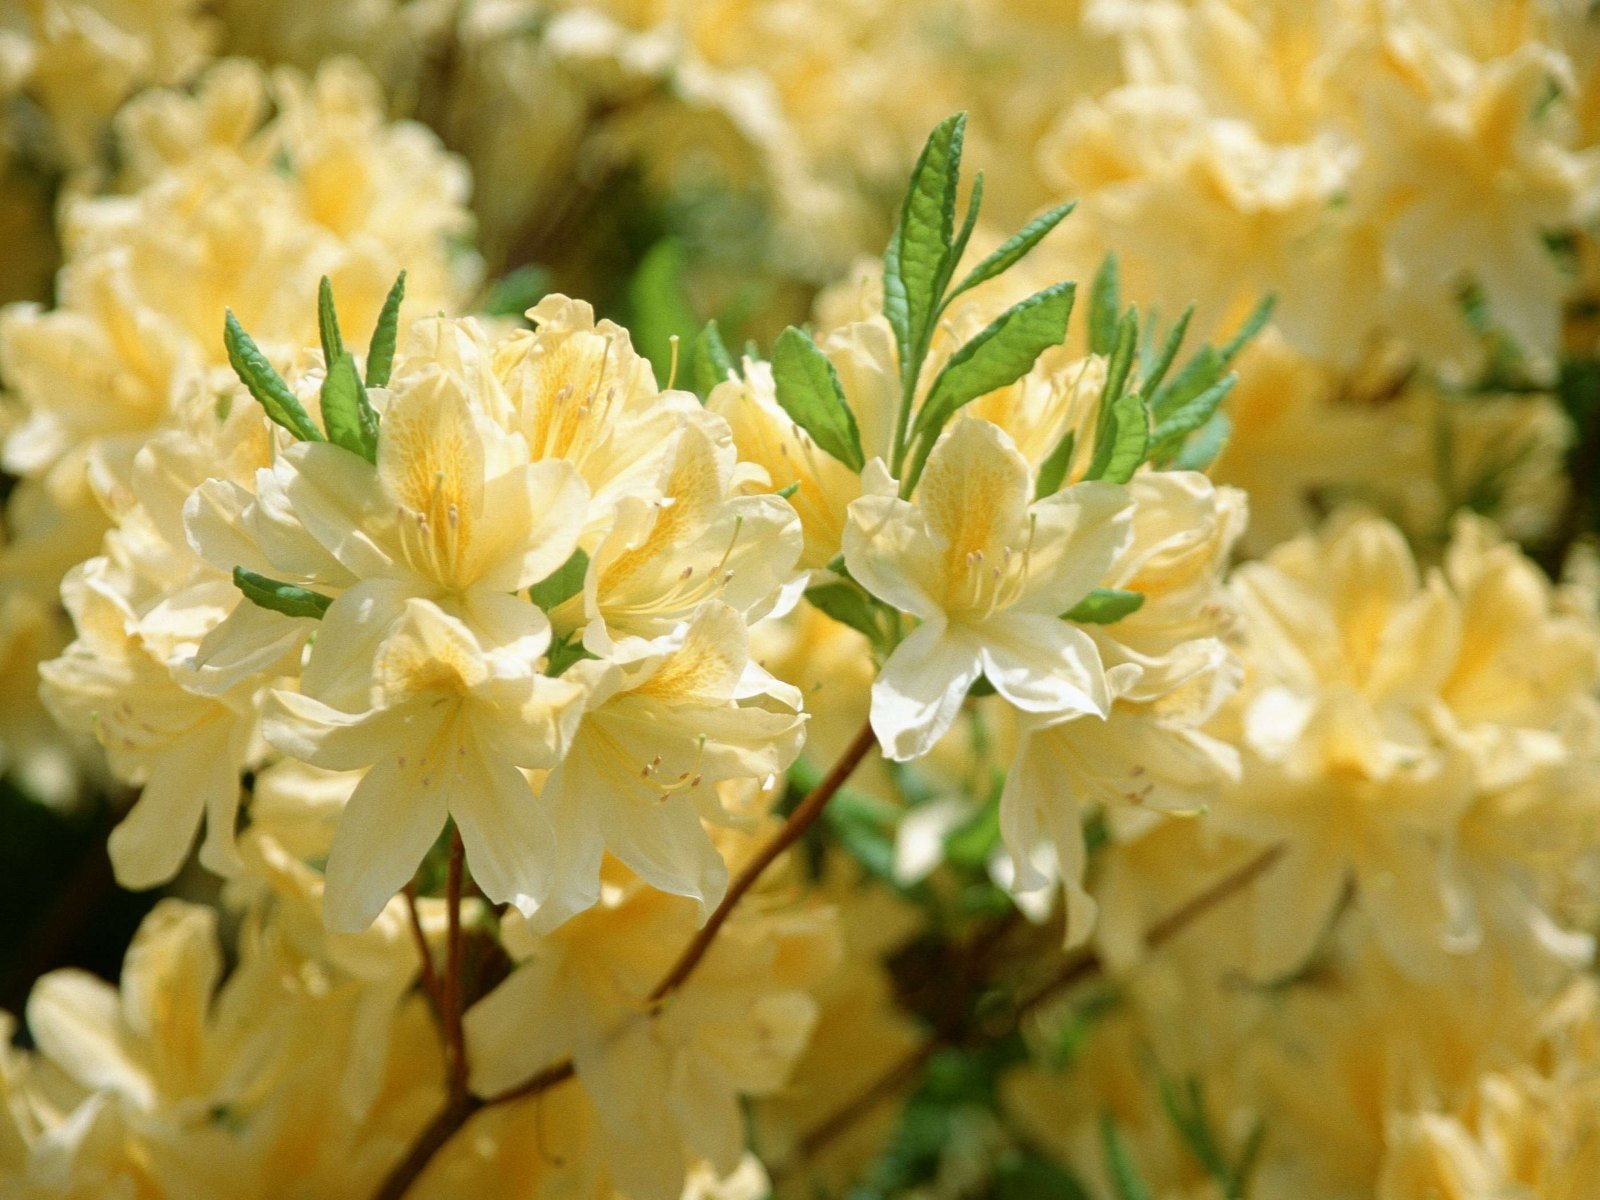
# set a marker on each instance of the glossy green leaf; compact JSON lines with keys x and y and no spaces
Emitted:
{"x":380,"y":352}
{"x":1105,"y":302}
{"x":1015,"y":248}
{"x":265,"y":384}
{"x":809,"y":391}
{"x":347,"y":414}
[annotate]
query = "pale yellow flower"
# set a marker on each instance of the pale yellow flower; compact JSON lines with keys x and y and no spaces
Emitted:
{"x":988,"y":572}
{"x":662,"y":727}
{"x":450,"y":721}
{"x":666,"y":1087}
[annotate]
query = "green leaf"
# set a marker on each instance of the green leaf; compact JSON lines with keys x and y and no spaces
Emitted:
{"x":1054,"y":468}
{"x":1253,"y":324}
{"x":917,"y":259}
{"x":997,"y":357}
{"x":562,"y":584}
{"x":347,"y":414}
{"x":1153,"y":372}
{"x":518,"y":290}
{"x":1105,"y":301}
{"x":1122,"y":349}
{"x":659,"y":307}
{"x":973,"y":842}
{"x":808,"y":390}
{"x":1122,"y":438}
{"x":709,"y":361}
{"x":959,"y":247}
{"x":1187,"y":1113}
{"x":564,"y":652}
{"x":1015,"y":248}
{"x":1125,"y":1178}
{"x":1105,"y":606}
{"x":1206,"y":446}
{"x":380,"y":353}
{"x":1199,"y":373}
{"x":1172,"y":429}
{"x":265,"y":384}
{"x":328,"y":323}
{"x":280,"y":597}
{"x":846,"y":602}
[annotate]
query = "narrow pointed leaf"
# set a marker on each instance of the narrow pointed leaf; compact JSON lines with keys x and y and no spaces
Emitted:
{"x":1053,"y":471}
{"x":281,"y":597}
{"x":959,"y":247}
{"x":1125,"y":1180}
{"x":281,"y":405}
{"x":1154,"y":372}
{"x":919,"y":250}
{"x":347,"y":414}
{"x":328,"y":322}
{"x":1206,"y":446}
{"x":380,"y":353}
{"x":1105,"y":302}
{"x":1253,"y":324}
{"x":1122,"y":439}
{"x":1015,"y":248}
{"x":848,"y":604}
{"x":709,"y":362}
{"x":1122,"y":350}
{"x":1177,"y":425}
{"x":1195,"y":376}
{"x":1000,"y":355}
{"x":808,"y":390}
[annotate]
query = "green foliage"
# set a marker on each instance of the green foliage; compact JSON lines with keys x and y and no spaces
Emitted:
{"x":347,"y":414}
{"x":385,"y":335}
{"x":280,"y":597}
{"x":1125,"y":1178}
{"x":1014,"y":249}
{"x":808,"y":390}
{"x":997,"y":357}
{"x":659,"y":310}
{"x":515,"y":292}
{"x":917,"y":264}
{"x":565,"y":651}
{"x":709,"y":362}
{"x":1186,"y":1109}
{"x":562,"y":584}
{"x":328,"y":323}
{"x":848,"y":603}
{"x":1105,"y":606}
{"x":1105,"y":302}
{"x":1053,"y":471}
{"x":265,"y":384}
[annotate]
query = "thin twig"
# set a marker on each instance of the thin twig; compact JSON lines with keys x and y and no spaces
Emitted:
{"x":426,"y":972}
{"x":454,"y":1037}
{"x":800,"y":820}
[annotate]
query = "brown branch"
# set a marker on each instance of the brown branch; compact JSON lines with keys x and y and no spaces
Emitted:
{"x":459,"y":1108}
{"x":801,"y":819}
{"x":1079,"y":967}
{"x":454,"y":1036}
{"x":428,"y":976}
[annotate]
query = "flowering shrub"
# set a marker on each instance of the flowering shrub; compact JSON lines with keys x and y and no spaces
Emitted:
{"x":586,"y":611}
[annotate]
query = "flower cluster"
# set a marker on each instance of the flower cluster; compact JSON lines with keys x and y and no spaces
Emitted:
{"x":579,"y":684}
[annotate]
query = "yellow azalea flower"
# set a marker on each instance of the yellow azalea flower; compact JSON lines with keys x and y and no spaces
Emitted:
{"x":450,"y":722}
{"x":665,"y":1088}
{"x":988,"y":572}
{"x":582,"y":394}
{"x":661,"y":728}
{"x":665,"y":556}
